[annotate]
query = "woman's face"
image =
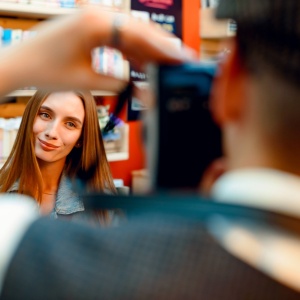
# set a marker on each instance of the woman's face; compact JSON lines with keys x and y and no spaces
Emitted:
{"x":57,"y":126}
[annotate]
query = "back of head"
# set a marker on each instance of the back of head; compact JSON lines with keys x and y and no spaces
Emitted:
{"x":268,"y":49}
{"x":268,"y":34}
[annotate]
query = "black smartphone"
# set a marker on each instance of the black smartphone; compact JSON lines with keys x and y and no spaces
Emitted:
{"x":181,"y":136}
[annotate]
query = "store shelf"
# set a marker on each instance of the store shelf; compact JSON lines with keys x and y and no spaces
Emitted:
{"x":211,"y":28}
{"x":30,"y":93}
{"x":33,"y":11}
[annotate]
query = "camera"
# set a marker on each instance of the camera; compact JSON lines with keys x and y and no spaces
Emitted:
{"x":182,"y":138}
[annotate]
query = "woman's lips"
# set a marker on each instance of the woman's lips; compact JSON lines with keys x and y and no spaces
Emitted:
{"x":47,"y":146}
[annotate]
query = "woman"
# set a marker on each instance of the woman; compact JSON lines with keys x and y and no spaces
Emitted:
{"x":59,"y":142}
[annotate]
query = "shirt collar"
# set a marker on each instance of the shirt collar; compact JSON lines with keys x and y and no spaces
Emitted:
{"x":67,"y":200}
{"x":267,"y":189}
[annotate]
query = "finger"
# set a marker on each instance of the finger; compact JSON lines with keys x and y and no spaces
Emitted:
{"x":86,"y":80}
{"x":147,"y":43}
{"x":103,"y":82}
{"x":144,"y":42}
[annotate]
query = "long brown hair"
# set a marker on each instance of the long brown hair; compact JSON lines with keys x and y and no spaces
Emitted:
{"x":22,"y":164}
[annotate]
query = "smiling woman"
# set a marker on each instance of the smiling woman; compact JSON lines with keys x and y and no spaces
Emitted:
{"x":59,"y":143}
{"x":57,"y":128}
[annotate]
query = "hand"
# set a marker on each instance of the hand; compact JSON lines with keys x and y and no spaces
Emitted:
{"x":59,"y":56}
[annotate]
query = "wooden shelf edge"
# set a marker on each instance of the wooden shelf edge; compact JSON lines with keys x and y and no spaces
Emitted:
{"x":212,"y":28}
{"x":44,"y":11}
{"x":33,"y":11}
{"x":216,"y":36}
{"x":117,"y":156}
{"x":30,"y":93}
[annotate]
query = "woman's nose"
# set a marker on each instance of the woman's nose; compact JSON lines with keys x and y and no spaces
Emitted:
{"x":51,"y":130}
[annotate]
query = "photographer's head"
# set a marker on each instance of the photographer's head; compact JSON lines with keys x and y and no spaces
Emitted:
{"x":257,"y":95}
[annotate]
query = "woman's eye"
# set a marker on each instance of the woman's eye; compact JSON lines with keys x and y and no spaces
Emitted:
{"x":45,"y":115}
{"x":71,"y":124}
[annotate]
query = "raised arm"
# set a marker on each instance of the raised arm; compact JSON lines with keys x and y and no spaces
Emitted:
{"x":59,"y":56}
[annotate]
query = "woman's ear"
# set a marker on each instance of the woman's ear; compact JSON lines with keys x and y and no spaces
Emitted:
{"x":228,"y":91}
{"x":78,"y":144}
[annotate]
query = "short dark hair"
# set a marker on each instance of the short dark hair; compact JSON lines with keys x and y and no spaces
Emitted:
{"x":268,"y":34}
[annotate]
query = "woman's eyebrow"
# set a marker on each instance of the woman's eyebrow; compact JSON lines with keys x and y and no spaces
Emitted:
{"x":73,"y":119}
{"x":46,"y":108}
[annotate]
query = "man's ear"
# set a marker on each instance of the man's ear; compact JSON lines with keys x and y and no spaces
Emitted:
{"x":228,"y":91}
